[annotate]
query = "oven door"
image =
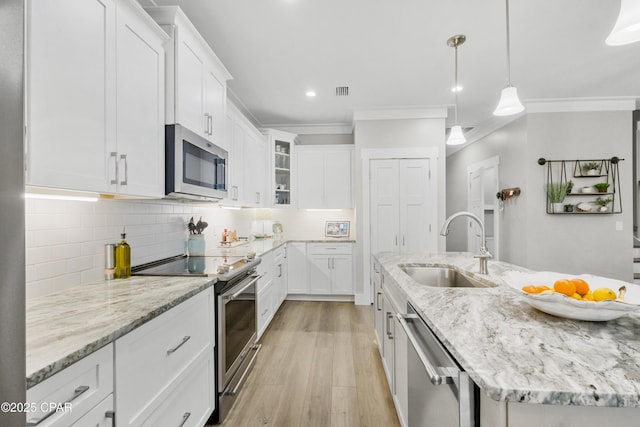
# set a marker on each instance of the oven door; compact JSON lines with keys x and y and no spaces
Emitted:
{"x":236,"y":327}
{"x":194,"y":166}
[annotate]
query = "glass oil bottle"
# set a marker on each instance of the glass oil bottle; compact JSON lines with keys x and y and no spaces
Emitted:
{"x":123,"y":258}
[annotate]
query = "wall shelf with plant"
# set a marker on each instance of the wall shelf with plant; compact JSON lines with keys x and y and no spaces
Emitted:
{"x":600,"y":190}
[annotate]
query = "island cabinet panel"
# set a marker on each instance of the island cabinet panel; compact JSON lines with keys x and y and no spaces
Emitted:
{"x":378,"y":310}
{"x":154,"y":361}
{"x":530,"y":415}
{"x":83,"y":387}
{"x":94,"y":97}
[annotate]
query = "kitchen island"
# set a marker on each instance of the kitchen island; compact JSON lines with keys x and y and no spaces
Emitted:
{"x":520,"y":357}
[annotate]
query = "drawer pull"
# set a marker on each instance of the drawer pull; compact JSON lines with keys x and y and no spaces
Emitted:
{"x":264,"y":312}
{"x":112,"y":415}
{"x":76,"y":393}
{"x":185,"y":417}
{"x":174,"y":349}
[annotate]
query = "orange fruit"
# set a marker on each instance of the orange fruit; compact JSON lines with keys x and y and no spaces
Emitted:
{"x":565,"y":287}
{"x":543,"y":288}
{"x":582,"y":287}
{"x":531,"y":289}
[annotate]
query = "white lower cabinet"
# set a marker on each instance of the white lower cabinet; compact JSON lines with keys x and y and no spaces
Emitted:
{"x":186,"y":400}
{"x":378,"y":309}
{"x":77,"y":391}
{"x":101,"y":415}
{"x":393,"y":343}
{"x":264,"y":308}
{"x":280,"y":277}
{"x":330,"y":268}
{"x":154,"y":362}
{"x":297,"y":268}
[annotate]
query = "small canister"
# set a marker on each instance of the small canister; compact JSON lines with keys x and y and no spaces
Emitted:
{"x":109,"y":261}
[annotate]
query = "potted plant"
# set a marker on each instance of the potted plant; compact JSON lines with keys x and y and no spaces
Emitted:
{"x":592,"y":168}
{"x":568,"y":207}
{"x":556,"y":192}
{"x":569,"y":187}
{"x":602,"y":186}
{"x":602,"y":203}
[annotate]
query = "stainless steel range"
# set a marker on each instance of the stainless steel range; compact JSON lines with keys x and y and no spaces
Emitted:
{"x":235,"y":290}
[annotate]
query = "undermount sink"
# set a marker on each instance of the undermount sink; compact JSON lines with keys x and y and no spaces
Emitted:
{"x":442,"y":277}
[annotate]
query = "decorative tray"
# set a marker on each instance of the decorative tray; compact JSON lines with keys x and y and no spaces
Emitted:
{"x":561,"y":305}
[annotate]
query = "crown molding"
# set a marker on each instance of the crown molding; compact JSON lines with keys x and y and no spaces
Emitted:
{"x":399,"y":113}
{"x":569,"y":105}
{"x":316,"y":129}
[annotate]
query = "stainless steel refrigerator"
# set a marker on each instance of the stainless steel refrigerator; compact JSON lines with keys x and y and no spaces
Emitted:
{"x":12,"y":235}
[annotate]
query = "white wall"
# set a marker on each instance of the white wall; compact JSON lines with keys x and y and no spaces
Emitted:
{"x":65,"y":239}
{"x":529,"y":236}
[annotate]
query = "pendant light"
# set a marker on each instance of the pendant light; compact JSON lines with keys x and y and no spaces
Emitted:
{"x":509,"y":103}
{"x":627,"y":28}
{"x":455,"y":134}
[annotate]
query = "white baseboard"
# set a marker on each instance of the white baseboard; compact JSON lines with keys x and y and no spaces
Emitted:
{"x":306,"y":297}
{"x":362,"y":299}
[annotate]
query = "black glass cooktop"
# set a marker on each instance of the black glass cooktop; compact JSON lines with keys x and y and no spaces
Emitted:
{"x":189,"y":266}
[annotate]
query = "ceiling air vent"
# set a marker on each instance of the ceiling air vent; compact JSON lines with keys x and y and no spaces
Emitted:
{"x":342,"y":91}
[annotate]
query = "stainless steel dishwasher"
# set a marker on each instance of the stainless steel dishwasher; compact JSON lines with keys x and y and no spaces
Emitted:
{"x":440,"y":393}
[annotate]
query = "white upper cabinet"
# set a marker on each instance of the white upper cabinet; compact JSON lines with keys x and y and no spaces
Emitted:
{"x":247,"y":162}
{"x":282,"y":168}
{"x":94,"y":97}
{"x":196,"y":83}
{"x":324,"y":177}
{"x":70,"y":98}
{"x":140,"y":103}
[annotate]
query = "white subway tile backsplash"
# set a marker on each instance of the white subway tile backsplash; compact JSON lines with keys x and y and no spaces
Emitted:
{"x":50,"y":269}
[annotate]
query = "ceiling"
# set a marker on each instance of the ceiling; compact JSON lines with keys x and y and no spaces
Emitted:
{"x":394,"y":54}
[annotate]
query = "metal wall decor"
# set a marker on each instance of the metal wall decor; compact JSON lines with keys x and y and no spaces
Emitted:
{"x":596,"y":189}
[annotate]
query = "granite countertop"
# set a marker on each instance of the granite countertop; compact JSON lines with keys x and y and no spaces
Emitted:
{"x":517,"y":353}
{"x":64,"y":327}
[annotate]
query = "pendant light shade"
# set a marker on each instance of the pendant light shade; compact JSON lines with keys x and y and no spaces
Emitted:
{"x":509,"y":103}
{"x":627,"y":28}
{"x":456,"y":137}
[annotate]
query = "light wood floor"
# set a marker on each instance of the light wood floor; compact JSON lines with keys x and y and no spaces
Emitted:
{"x":318,"y":366}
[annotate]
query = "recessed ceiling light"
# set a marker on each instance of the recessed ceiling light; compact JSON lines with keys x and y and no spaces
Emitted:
{"x":311,"y":93}
{"x":457,"y":88}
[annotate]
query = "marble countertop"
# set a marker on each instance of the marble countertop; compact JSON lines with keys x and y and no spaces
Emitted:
{"x":517,"y":353}
{"x":64,"y":327}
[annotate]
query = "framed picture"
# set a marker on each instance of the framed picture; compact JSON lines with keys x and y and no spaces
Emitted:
{"x":336,"y":229}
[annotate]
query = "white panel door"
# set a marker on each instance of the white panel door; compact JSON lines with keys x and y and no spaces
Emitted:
{"x":416,"y":229}
{"x":310,"y":179}
{"x":337,"y":179}
{"x":190,"y":81}
{"x":140,"y":112}
{"x":384,"y":181}
{"x":70,"y":99}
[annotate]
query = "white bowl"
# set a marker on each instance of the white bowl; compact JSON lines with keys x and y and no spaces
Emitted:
{"x":563,"y":306}
{"x":586,"y":190}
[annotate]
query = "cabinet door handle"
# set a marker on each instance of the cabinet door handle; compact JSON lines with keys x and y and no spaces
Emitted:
{"x":378,"y":294}
{"x":403,"y":240}
{"x":126,"y":170}
{"x":115,"y":159}
{"x":329,"y":263}
{"x":396,"y":240}
{"x":185,"y":417}
{"x":389,"y":317}
{"x":112,"y":415}
{"x":174,"y":349}
{"x":76,"y":393}
{"x":210,"y":124}
{"x":206,"y":123}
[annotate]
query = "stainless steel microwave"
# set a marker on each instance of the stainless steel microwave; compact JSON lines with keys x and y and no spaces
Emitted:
{"x":195,"y":168}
